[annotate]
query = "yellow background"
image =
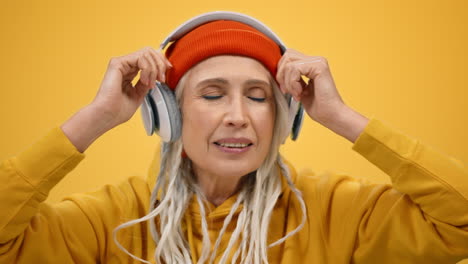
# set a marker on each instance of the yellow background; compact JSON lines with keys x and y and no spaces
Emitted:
{"x":403,"y":62}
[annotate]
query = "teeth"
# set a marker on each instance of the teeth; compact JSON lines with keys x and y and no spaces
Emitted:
{"x":233,"y":145}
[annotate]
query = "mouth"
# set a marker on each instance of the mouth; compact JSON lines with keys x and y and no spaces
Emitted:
{"x":233,"y":145}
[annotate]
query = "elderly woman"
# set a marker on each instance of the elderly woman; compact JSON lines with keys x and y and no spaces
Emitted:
{"x":223,"y":193}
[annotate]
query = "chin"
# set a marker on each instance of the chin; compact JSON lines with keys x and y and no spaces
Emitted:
{"x":236,"y":169}
{"x":227,"y":168}
{"x":236,"y":174}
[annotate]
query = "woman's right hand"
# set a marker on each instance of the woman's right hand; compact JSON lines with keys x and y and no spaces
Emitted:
{"x":117,"y":99}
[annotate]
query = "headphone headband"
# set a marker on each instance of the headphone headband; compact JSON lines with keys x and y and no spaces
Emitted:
{"x":189,"y":25}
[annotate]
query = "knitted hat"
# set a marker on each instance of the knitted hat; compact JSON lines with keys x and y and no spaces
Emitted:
{"x":222,"y":37}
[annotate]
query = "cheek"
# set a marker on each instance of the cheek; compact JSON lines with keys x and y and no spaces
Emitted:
{"x":197,"y":126}
{"x":264,"y":121}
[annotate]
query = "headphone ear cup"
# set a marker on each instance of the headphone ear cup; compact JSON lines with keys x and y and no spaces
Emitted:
{"x":149,"y":114}
{"x":173,"y":112}
{"x":161,"y":113}
{"x":297,"y":123}
{"x":295,"y":116}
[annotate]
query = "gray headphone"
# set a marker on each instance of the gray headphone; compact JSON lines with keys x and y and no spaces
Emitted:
{"x":160,"y":111}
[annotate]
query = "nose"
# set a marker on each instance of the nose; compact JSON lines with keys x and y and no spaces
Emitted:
{"x":236,"y":113}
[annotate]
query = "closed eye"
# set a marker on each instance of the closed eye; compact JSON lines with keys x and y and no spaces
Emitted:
{"x":257,"y":99}
{"x":211,"y":97}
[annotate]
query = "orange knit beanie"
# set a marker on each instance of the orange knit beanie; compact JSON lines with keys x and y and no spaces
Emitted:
{"x":220,"y":37}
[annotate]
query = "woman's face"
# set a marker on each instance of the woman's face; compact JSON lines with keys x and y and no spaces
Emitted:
{"x":228,"y":113}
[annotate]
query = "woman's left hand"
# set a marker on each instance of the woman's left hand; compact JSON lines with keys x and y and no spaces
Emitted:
{"x":319,"y":96}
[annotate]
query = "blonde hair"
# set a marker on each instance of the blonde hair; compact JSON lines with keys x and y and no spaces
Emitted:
{"x":175,"y":187}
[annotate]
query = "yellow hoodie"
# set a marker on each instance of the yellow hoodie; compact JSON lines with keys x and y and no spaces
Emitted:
{"x":421,"y":218}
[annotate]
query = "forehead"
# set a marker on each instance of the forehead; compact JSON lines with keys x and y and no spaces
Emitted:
{"x":229,"y":67}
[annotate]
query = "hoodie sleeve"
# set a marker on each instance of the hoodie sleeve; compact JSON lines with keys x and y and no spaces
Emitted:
{"x":32,"y":231}
{"x":421,"y":218}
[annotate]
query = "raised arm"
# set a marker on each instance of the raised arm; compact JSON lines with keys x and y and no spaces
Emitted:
{"x":33,"y":231}
{"x":422,"y":216}
{"x":117,"y":99}
{"x":319,"y":96}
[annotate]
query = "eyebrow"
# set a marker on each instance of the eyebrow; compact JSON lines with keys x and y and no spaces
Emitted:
{"x":224,"y":81}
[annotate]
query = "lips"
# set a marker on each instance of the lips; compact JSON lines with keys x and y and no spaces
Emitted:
{"x":233,"y":145}
{"x":234,"y":142}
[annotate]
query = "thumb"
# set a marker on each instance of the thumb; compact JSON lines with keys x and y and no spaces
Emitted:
{"x":141,"y":90}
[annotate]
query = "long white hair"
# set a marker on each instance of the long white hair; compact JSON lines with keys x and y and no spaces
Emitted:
{"x":176,"y":186}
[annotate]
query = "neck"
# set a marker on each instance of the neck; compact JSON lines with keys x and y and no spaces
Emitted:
{"x":217,"y":188}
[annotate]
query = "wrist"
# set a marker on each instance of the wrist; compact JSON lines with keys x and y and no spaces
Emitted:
{"x":347,"y":123}
{"x":85,"y":126}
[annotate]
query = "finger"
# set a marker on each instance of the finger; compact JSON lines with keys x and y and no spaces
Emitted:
{"x":168,"y":62}
{"x":130,"y":76}
{"x":154,"y":68}
{"x":313,"y":66}
{"x":281,"y":72}
{"x":162,"y":64}
{"x":162,"y":68}
{"x":297,"y":86}
{"x":145,"y":70}
{"x":279,"y":76}
{"x":165,"y":59}
{"x":297,"y":83}
{"x":283,"y":79}
{"x":141,"y":89}
{"x":130,"y":62}
{"x":135,"y":62}
{"x":160,"y":54}
{"x":289,"y":56}
{"x":292,"y":75}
